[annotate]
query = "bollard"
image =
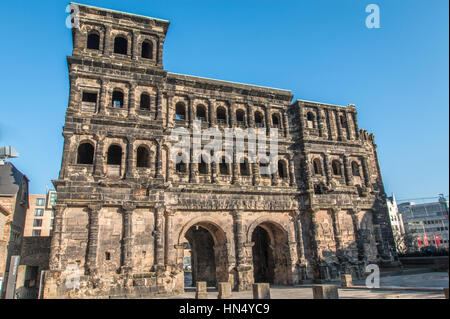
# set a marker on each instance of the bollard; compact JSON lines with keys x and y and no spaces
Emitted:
{"x":325,"y":292}
{"x":201,"y":292}
{"x":446,"y":293}
{"x":224,"y":290}
{"x":261,"y":291}
{"x":346,"y":281}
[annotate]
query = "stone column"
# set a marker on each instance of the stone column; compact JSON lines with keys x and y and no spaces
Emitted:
{"x":337,"y":232}
{"x":365,"y":168}
{"x":255,"y":174}
{"x":232,"y":114}
{"x":134,"y":46}
{"x":250,"y":116}
{"x":98,"y":157}
{"x":159,"y":160}
{"x":132,"y":100}
{"x":235,"y":166}
{"x":212,"y":113}
{"x":193,"y":168}
{"x":355,"y":124}
{"x":159,"y":239}
{"x":130,"y":158}
{"x":326,"y":165}
{"x":104,"y":97}
{"x":350,"y":124}
{"x":267,"y":118}
{"x":240,"y":236}
{"x":292,"y":181}
{"x":191,"y":115}
{"x":347,"y":171}
{"x":159,"y":106}
{"x":92,"y":245}
{"x":127,"y":237}
{"x":285,"y":124}
{"x":170,"y":254}
{"x":320,"y":122}
{"x":313,"y":244}
{"x":332,"y":124}
{"x":358,"y":238}
{"x":338,"y":125}
{"x":214,"y":169}
{"x":108,"y":44}
{"x":55,"y":245}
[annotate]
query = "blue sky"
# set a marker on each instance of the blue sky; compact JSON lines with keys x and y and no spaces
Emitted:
{"x":321,"y":50}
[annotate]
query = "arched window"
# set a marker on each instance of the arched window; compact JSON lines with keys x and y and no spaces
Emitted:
{"x":317,"y":189}
{"x":145,"y":102}
{"x":282,"y":169}
{"x":117,"y":99}
{"x":180,"y":111}
{"x":355,"y":169}
{"x":85,"y":153}
{"x":142,"y":157}
{"x":223,"y":167}
{"x":259,"y":119}
{"x":317,"y":166}
{"x":240,"y":117}
{"x":336,"y":167}
{"x":202,"y":167}
{"x":310,"y":119}
{"x":201,"y":113}
{"x":276,"y":120}
{"x":114,"y":155}
{"x":93,"y":41}
{"x":221,"y":115}
{"x":147,"y":50}
{"x":181,"y":165}
{"x":243,"y":168}
{"x":120,"y":45}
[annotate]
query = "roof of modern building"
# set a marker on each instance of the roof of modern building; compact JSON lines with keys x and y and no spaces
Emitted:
{"x":10,"y":179}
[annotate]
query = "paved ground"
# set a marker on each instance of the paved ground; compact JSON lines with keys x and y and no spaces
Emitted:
{"x":426,"y":280}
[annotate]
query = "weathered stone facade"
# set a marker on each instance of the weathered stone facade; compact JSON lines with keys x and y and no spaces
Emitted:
{"x":125,"y":211}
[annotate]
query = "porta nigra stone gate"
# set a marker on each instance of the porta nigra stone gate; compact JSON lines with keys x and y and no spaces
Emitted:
{"x":125,"y":212}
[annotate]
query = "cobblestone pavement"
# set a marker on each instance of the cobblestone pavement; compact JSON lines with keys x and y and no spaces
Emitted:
{"x":430,"y":280}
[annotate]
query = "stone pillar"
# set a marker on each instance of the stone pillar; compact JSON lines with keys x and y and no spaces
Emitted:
{"x":292,"y":181}
{"x":285,"y":124}
{"x":214,"y":170}
{"x":261,"y":291}
{"x":326,"y":165}
{"x":355,"y":124}
{"x":255,"y":174}
{"x":320,"y":122}
{"x":98,"y":157}
{"x":132,"y":100}
{"x":55,"y":245}
{"x":232,"y":115}
{"x":170,"y":255}
{"x":134,"y":46}
{"x":346,"y":281}
{"x":325,"y":292}
{"x":350,"y":124}
{"x":332,"y":124}
{"x":92,"y":245}
{"x":338,"y":125}
{"x":201,"y":292}
{"x":212,"y":113}
{"x":193,"y":168}
{"x":159,"y":160}
{"x":347,"y":171}
{"x":191,"y":115}
{"x":299,"y":235}
{"x":159,"y":104}
{"x":108,"y":44}
{"x":224,"y":290}
{"x":240,"y":236}
{"x":159,"y":239}
{"x":104,"y":97}
{"x":358,"y":238}
{"x":250,"y":116}
{"x":267,"y":119}
{"x":337,"y":232}
{"x":127,"y":238}
{"x":130,"y":167}
{"x":365,"y":167}
{"x":235,"y":166}
{"x":313,"y":244}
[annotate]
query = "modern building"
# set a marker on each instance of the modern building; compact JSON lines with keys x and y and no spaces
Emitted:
{"x":39,"y":221}
{"x":398,"y":229}
{"x":13,"y":206}
{"x":425,"y":224}
{"x":125,"y":207}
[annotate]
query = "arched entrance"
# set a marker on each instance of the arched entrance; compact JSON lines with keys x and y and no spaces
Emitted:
{"x":208,"y":253}
{"x":271,"y":257}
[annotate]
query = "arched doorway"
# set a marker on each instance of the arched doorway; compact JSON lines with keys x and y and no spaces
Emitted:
{"x":208,"y":254}
{"x":271,"y":256}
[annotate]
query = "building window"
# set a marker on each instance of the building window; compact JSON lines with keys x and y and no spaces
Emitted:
{"x":276,"y":120}
{"x":85,"y":154}
{"x":114,"y":155}
{"x":145,"y":102}
{"x":336,"y":167}
{"x":282,"y":169}
{"x":202,"y":167}
{"x":37,"y":223}
{"x":201,"y":113}
{"x":355,"y":169}
{"x":38,"y":212}
{"x":117,"y":99}
{"x":120,"y":45}
{"x":240,"y":117}
{"x":221,"y":114}
{"x":243,"y":168}
{"x":143,"y":157}
{"x":310,"y":119}
{"x":259,"y":119}
{"x":40,"y":201}
{"x":36,"y":232}
{"x":107,"y":255}
{"x":90,"y":97}
{"x":147,"y":50}
{"x":223,"y":167}
{"x":180,"y":111}
{"x":93,"y":41}
{"x":52,"y":199}
{"x":317,"y":166}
